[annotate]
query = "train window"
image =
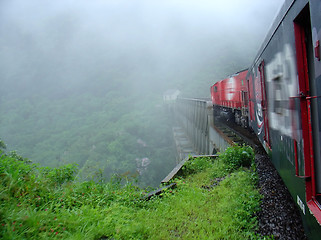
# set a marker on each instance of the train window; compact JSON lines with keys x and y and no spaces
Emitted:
{"x":215,"y":88}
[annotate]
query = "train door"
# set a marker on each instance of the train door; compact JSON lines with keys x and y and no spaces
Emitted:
{"x":244,"y":108}
{"x":244,"y":100}
{"x":304,"y":57}
{"x":264,"y":106}
{"x":250,"y":95}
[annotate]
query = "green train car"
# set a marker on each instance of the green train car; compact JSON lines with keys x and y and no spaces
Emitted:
{"x":284,"y":108}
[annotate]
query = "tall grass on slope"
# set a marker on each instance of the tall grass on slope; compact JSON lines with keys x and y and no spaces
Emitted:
{"x":212,"y":202}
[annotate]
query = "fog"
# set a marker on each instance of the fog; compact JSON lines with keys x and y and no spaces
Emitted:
{"x":64,"y":62}
{"x":161,"y":44}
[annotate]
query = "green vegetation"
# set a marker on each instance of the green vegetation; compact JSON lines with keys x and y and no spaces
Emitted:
{"x":213,"y":202}
{"x":108,"y":132}
{"x":237,"y":156}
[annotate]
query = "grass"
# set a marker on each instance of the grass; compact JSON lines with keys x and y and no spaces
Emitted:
{"x":212,"y":201}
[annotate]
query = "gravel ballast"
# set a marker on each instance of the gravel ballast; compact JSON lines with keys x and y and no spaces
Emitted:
{"x":279,"y":215}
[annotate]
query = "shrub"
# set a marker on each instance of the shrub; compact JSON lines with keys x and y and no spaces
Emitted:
{"x":60,"y":174}
{"x":237,"y":156}
{"x":194,"y":165}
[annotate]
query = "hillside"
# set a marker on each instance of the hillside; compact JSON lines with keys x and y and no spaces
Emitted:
{"x":111,"y":134}
{"x":213,"y":200}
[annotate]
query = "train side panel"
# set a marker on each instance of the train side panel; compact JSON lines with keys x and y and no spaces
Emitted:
{"x":230,"y":91}
{"x":230,"y":98}
{"x":285,"y":104}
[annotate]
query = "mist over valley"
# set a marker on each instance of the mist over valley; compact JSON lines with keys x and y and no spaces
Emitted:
{"x":83,"y":81}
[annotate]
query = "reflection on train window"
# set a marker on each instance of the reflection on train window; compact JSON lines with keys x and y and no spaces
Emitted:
{"x":277,"y":96}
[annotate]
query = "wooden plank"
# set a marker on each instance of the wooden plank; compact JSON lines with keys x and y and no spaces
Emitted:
{"x":175,"y":170}
{"x":159,"y":191}
{"x":180,"y":165}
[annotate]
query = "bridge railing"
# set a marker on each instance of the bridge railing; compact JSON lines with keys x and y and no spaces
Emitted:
{"x":192,"y":115}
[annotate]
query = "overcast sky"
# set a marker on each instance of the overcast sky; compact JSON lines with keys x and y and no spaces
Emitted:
{"x":71,"y":39}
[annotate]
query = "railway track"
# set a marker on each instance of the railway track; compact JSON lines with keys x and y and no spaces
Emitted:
{"x":237,"y":135}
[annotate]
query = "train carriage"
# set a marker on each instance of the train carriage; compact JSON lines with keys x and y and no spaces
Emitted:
{"x":284,"y":87}
{"x":230,"y":98}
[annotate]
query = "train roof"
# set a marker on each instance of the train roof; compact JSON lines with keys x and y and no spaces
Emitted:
{"x":274,"y":26}
{"x":235,"y":74}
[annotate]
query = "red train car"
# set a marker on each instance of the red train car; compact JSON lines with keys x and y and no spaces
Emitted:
{"x":230,"y":98}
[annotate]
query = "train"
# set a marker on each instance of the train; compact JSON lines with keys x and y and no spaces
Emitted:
{"x":279,"y":98}
{"x":230,"y":98}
